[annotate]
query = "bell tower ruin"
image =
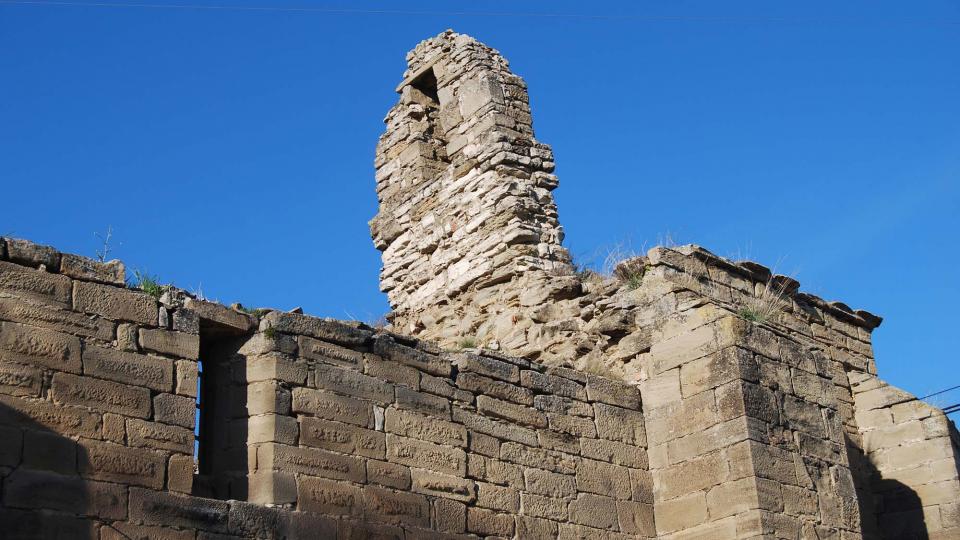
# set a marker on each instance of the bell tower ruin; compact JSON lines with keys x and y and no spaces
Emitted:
{"x":466,"y":216}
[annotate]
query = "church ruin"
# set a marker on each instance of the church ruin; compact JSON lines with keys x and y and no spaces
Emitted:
{"x":685,"y":396}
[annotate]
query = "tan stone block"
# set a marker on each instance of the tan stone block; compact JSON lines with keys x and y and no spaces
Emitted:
{"x":553,"y":385}
{"x":129,"y":368}
{"x":943,"y":492}
{"x":410,"y":424}
{"x":661,"y":390}
{"x":732,"y":364}
{"x":314,"y":349}
{"x":115,"y":463}
{"x":682,"y":418}
{"x":681,"y":513}
{"x":799,"y":501}
{"x":731,"y":498}
{"x":612,"y":392}
{"x":572,"y":425}
{"x":543,"y":507}
{"x":774,"y":463}
{"x":396,"y":507}
{"x":352,"y":383}
{"x":488,"y":367}
{"x":343,"y":438}
{"x":180,"y":473}
{"x":386,"y":348}
{"x":692,"y":345}
{"x":32,"y":254}
{"x":689,"y":476}
{"x":505,"y":391}
{"x":442,"y":386}
{"x":115,"y":303}
{"x":619,"y":424}
{"x":20,"y":380}
{"x":614,"y":452}
{"x":186,"y":378}
{"x":388,"y":370}
{"x":636,"y":518}
{"x":494,"y":470}
{"x":23,"y":311}
{"x":311,"y":461}
{"x":536,"y":457}
{"x":442,"y":485}
{"x":267,"y":397}
{"x":594,"y":511}
{"x":893,"y":436}
{"x":414,"y":453}
{"x":177,"y":410}
{"x":45,"y":490}
{"x":494,"y":428}
{"x":449,"y":516}
{"x":328,"y":497}
{"x":60,"y":419}
{"x":561,"y":442}
{"x":271,"y":487}
{"x":562,"y":405}
{"x":488,"y":523}
{"x":160,"y":436}
{"x":75,"y":266}
{"x":714,"y":438}
{"x":176,"y":510}
{"x":172,"y":343}
{"x":536,"y":528}
{"x":483,"y":444}
{"x":100,"y":395}
{"x":603,"y":479}
{"x":272,"y":428}
{"x":501,"y":499}
{"x":548,"y":483}
{"x":424,"y":403}
{"x":275,"y":367}
{"x":37,"y":285}
{"x":388,"y":474}
{"x":641,"y":486}
{"x":39,"y":346}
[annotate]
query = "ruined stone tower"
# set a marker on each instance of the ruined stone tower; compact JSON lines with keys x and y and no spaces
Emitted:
{"x":685,"y":396}
{"x":466,"y":215}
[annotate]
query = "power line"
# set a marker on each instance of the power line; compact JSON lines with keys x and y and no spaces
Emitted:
{"x":546,"y":15}
{"x":940,"y":392}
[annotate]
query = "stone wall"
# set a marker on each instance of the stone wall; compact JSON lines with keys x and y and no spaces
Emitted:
{"x":341,"y":429}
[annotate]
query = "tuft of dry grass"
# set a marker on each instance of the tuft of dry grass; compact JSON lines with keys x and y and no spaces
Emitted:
{"x":765,"y":303}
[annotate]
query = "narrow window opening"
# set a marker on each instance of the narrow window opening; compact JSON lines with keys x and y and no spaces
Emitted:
{"x":220,"y":433}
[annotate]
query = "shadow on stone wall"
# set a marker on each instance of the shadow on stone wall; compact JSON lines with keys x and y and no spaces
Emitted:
{"x":40,"y":470}
{"x":889,"y":509}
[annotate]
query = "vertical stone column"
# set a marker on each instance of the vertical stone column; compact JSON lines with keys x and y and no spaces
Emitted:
{"x":467,"y":220}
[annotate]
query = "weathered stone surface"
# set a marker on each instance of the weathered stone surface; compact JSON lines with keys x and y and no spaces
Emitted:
{"x":324,"y":329}
{"x":110,"y":272}
{"x":424,"y":428}
{"x":115,"y":463}
{"x":310,"y":461}
{"x":443,"y":485}
{"x":352,"y":383}
{"x":388,"y":474}
{"x":402,"y":354}
{"x":218,"y":315}
{"x":135,"y":369}
{"x":343,"y":438}
{"x":156,"y":508}
{"x":39,"y":346}
{"x":101,"y":395}
{"x":329,"y":497}
{"x":488,"y":523}
{"x":40,"y":315}
{"x":159,"y":436}
{"x":315,"y":349}
{"x":509,"y":411}
{"x":396,"y":507}
{"x":44,"y":490}
{"x":20,"y":380}
{"x":27,"y":283}
{"x":177,"y":344}
{"x":115,"y":303}
{"x":333,"y":407}
{"x":414,"y":453}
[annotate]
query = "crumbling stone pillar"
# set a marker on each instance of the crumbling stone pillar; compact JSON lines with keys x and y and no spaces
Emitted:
{"x":467,"y":222}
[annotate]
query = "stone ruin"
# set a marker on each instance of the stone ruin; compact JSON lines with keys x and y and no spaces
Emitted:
{"x":685,"y":396}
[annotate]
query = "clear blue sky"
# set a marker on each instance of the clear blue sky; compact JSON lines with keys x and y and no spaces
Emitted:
{"x":233,"y":149}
